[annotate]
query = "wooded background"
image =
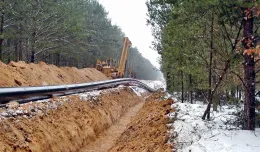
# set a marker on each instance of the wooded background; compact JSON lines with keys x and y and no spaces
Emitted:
{"x":210,"y":50}
{"x":64,"y":33}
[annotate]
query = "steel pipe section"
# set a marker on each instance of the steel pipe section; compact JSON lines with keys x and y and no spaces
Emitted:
{"x":25,"y":94}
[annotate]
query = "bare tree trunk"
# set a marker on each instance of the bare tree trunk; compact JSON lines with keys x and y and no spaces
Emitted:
{"x":182,"y":87}
{"x":20,"y":42}
{"x":191,"y":96}
{"x":210,"y":95}
{"x":33,"y":47}
{"x":16,"y":51}
{"x":57,"y":59}
{"x":2,"y":29}
{"x":20,"y":50}
{"x":215,"y":98}
{"x":168,"y":80}
{"x":207,"y":111}
{"x":27,"y":52}
{"x":9,"y":50}
{"x":249,"y":71}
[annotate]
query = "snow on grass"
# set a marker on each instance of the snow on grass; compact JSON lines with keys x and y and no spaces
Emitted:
{"x":221,"y":134}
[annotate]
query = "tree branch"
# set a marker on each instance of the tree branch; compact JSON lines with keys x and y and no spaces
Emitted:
{"x":240,"y":78}
{"x":215,"y":89}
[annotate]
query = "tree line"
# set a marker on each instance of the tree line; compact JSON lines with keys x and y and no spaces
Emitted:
{"x":209,"y":49}
{"x":62,"y":32}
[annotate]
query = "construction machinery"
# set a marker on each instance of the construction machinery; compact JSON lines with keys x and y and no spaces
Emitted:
{"x":109,"y":67}
{"x":123,"y":59}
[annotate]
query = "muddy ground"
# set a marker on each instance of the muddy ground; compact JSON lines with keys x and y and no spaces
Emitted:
{"x":22,"y":74}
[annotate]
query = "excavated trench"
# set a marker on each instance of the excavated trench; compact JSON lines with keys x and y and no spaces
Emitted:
{"x":108,"y":138}
{"x":74,"y":122}
{"x":115,"y":120}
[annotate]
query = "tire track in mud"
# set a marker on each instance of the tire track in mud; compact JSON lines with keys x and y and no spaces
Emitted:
{"x":108,"y":138}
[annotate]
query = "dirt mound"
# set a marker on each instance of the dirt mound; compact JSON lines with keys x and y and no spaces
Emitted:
{"x":147,"y":132}
{"x":22,"y":74}
{"x":69,"y":127}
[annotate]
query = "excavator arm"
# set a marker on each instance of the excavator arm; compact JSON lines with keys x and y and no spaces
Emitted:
{"x":124,"y":56}
{"x":108,"y":67}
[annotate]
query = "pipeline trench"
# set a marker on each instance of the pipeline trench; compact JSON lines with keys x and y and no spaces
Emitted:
{"x":103,"y":123}
{"x":107,"y":120}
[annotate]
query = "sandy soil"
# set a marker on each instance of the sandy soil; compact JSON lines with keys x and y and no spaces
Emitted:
{"x":147,"y":132}
{"x":116,"y":121}
{"x":22,"y":74}
{"x":141,"y":129}
{"x":108,"y":138}
{"x":68,"y":128}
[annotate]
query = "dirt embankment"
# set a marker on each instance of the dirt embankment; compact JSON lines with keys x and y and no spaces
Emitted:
{"x":68,"y":128}
{"x":22,"y":74}
{"x":75,"y":123}
{"x":147,"y":132}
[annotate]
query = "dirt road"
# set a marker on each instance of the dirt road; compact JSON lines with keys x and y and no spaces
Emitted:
{"x":107,"y":139}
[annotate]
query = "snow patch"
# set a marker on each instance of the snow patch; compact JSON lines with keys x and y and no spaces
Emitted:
{"x":221,"y":134}
{"x":138,"y":91}
{"x":155,"y":84}
{"x":43,"y":106}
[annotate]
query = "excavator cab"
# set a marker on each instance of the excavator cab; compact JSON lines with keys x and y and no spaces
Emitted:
{"x":109,"y":66}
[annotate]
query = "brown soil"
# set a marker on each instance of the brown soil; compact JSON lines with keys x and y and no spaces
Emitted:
{"x":22,"y":74}
{"x":108,"y":138}
{"x":148,"y":131}
{"x":68,"y":128}
{"x":112,"y":122}
{"x":138,"y":130}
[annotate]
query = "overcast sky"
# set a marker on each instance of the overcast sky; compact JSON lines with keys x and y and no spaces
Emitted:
{"x":130,"y":15}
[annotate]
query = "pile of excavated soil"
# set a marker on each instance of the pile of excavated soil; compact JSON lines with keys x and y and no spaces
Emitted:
{"x":147,"y":132}
{"x":73,"y":124}
{"x":22,"y":74}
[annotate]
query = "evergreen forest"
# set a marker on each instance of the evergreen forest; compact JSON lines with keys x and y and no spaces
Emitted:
{"x":64,"y":33}
{"x":210,"y":51}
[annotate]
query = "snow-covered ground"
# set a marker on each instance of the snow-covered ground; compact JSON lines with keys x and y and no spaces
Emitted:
{"x":155,"y":84}
{"x":220,"y":134}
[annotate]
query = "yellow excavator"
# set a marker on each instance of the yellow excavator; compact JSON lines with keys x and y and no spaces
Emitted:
{"x":109,"y":67}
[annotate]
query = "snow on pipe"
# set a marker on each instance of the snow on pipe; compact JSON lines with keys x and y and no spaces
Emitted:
{"x":25,"y":94}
